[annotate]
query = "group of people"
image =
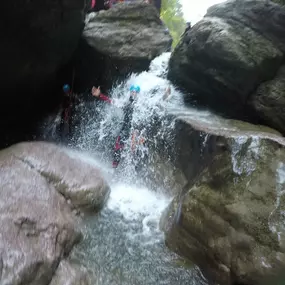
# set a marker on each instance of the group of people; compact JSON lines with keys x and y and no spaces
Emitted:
{"x":126,"y":129}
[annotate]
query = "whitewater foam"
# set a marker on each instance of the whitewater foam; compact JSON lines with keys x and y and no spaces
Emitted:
{"x":133,"y":202}
{"x":123,"y":243}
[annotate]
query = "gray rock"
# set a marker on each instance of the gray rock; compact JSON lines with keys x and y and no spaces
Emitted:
{"x":269,"y":101}
{"x":121,"y":40}
{"x":128,"y":30}
{"x":38,"y":228}
{"x":228,"y":220}
{"x":80,"y":183}
{"x":265,"y":17}
{"x":70,"y":274}
{"x":224,"y":58}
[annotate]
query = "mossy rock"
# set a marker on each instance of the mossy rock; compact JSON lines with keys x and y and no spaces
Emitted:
{"x":229,"y":221}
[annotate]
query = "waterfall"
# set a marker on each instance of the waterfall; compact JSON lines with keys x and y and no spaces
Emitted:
{"x":98,"y":130}
{"x":123,"y":243}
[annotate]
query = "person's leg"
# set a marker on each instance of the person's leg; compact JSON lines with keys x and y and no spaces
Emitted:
{"x":119,"y":145}
{"x":66,"y":125}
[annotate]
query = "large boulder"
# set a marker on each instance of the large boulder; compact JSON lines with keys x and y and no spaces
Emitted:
{"x":77,"y":181}
{"x":37,"y":39}
{"x":269,"y":100}
{"x":118,"y":41}
{"x":38,"y":225}
{"x":229,"y":217}
{"x":225,"y":57}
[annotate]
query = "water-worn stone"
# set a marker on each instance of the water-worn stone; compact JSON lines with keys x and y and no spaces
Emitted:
{"x":121,"y":40}
{"x":225,"y":57}
{"x":70,"y":274}
{"x":38,"y":228}
{"x":269,"y":101}
{"x":229,"y":219}
{"x":77,"y":181}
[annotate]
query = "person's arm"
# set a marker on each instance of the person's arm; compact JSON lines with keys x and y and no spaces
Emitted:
{"x":96,"y":92}
{"x":105,"y":98}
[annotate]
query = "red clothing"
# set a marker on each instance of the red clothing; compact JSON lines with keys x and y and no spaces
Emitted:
{"x":104,"y":98}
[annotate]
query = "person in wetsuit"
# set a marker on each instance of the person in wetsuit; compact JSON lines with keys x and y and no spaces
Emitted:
{"x":126,"y":127}
{"x":124,"y":135}
{"x":66,"y":106}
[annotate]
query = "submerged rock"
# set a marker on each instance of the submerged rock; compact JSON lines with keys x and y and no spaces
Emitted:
{"x":225,"y":57}
{"x":38,"y":228}
{"x":229,"y":218}
{"x":121,"y":40}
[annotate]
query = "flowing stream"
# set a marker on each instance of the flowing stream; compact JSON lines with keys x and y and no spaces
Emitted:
{"x":123,"y":243}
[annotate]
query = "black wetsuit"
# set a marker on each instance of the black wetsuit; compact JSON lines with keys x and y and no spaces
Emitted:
{"x":125,"y":132}
{"x":67,"y":105}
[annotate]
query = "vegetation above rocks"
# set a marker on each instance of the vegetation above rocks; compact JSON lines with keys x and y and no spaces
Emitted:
{"x":281,"y":2}
{"x":172,"y":16}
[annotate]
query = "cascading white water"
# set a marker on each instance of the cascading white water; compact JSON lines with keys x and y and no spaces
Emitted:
{"x":98,"y":132}
{"x":277,"y":216}
{"x":123,"y":243}
{"x":245,"y":163}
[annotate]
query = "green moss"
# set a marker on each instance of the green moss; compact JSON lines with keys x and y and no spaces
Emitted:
{"x":281,"y":2}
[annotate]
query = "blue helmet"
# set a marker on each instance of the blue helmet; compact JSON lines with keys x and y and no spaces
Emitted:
{"x":66,"y":88}
{"x":135,"y":88}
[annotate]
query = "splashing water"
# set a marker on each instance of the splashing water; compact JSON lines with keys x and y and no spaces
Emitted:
{"x":277,"y":214}
{"x":98,"y":132}
{"x":123,"y":243}
{"x":245,"y":162}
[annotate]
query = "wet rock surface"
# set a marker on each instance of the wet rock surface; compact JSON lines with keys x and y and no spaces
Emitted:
{"x":225,"y":57}
{"x":38,"y":227}
{"x":228,"y":220}
{"x":269,"y":101}
{"x":77,"y":181}
{"x":37,"y":39}
{"x":118,"y":41}
{"x":70,"y":274}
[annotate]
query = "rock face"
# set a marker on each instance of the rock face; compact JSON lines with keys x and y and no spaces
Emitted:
{"x":75,"y":180}
{"x":228,"y":219}
{"x":121,"y":40}
{"x":38,"y":228}
{"x":269,"y":101}
{"x":37,"y":39}
{"x":225,"y":57}
{"x":69,"y":274}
